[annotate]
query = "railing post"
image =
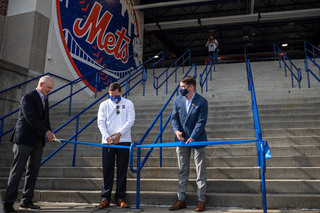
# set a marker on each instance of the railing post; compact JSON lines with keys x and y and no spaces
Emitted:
{"x":206,"y":80}
{"x":160,"y":141}
{"x":138,"y":180}
{"x":75,"y":145}
{"x":70,"y":100}
{"x":144,"y":77}
{"x":279,"y":56}
{"x":307,"y":70}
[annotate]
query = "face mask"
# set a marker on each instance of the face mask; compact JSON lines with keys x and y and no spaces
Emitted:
{"x":183,"y":92}
{"x":116,"y":99}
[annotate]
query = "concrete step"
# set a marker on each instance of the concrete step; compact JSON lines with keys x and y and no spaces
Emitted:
{"x":167,"y":185}
{"x":211,"y":151}
{"x":220,"y":161}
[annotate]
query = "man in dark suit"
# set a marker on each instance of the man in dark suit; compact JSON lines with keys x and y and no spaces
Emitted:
{"x":189,"y":117}
{"x":28,"y":139}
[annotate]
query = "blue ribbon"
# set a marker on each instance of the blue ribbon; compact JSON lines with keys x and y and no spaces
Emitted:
{"x":179,"y":143}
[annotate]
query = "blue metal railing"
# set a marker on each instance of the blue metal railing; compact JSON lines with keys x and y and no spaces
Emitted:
{"x":158,"y":138}
{"x":71,"y":84}
{"x":140,"y":72}
{"x":312,"y":50}
{"x":206,"y":73}
{"x":260,"y":144}
{"x":309,"y":71}
{"x":278,"y":52}
{"x":155,"y":79}
{"x":154,"y":58}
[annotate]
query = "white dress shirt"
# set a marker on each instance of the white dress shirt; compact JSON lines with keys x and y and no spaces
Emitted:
{"x":109,"y":122}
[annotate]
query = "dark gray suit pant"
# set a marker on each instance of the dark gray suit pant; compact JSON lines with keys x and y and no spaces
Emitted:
{"x":24,"y":157}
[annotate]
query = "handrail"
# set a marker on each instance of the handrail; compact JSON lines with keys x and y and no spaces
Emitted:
{"x":261,"y":155}
{"x":19,"y":85}
{"x":309,"y":71}
{"x":71,"y":84}
{"x":306,"y":50}
{"x":125,"y":82}
{"x":159,"y":137}
{"x":77,"y":132}
{"x":202,"y":82}
{"x":154,"y":62}
{"x":155,"y":79}
{"x":285,"y":57}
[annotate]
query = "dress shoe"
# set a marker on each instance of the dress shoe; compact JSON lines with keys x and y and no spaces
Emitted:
{"x":30,"y":205}
{"x":8,"y":208}
{"x":178,"y":205}
{"x":201,"y":207}
{"x":122,"y":203}
{"x":104,"y":204}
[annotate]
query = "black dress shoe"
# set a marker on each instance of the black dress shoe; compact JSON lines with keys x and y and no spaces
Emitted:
{"x":29,"y":206}
{"x":8,"y":208}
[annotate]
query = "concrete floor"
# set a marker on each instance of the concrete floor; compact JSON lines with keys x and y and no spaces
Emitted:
{"x":91,"y":208}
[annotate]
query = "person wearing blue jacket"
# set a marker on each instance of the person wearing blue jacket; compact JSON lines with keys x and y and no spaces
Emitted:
{"x":189,"y":118}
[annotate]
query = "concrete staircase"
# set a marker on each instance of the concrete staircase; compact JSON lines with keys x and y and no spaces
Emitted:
{"x":289,"y":121}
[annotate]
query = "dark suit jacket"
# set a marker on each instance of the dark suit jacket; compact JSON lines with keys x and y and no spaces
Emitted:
{"x":33,"y":121}
{"x":192,"y":124}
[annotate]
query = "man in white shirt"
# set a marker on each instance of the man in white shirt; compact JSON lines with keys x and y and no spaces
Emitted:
{"x":212,"y":44}
{"x":115,"y":119}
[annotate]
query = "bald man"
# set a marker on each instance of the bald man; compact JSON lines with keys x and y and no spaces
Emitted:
{"x":28,"y":140}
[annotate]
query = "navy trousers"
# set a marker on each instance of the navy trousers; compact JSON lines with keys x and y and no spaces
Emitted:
{"x":109,"y":157}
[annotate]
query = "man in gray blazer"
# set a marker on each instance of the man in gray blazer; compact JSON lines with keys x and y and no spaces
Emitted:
{"x":28,"y":139}
{"x":189,"y":117}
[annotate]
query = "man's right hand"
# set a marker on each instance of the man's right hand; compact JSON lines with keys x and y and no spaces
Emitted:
{"x":179,"y":136}
{"x":50,"y":135}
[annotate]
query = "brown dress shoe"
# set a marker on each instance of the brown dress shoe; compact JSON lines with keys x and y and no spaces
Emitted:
{"x":201,"y":207}
{"x":122,"y":203}
{"x":104,"y":204}
{"x":178,"y":205}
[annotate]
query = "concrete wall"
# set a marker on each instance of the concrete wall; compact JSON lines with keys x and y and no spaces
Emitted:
{"x":26,"y":34}
{"x":14,"y":74}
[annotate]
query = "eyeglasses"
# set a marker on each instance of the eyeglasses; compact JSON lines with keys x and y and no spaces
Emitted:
{"x":118,"y":111}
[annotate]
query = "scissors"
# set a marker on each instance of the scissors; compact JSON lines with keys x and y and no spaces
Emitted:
{"x":57,"y":140}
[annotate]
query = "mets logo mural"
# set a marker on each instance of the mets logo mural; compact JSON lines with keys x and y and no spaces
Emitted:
{"x":98,"y":35}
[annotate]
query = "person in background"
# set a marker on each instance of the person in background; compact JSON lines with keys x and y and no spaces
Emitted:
{"x":212,"y":44}
{"x":28,"y":140}
{"x":189,"y":118}
{"x":115,"y":119}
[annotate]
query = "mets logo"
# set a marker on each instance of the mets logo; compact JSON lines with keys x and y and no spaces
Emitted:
{"x":98,"y":35}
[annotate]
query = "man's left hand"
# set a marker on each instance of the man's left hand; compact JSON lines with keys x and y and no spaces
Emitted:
{"x":116,"y":137}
